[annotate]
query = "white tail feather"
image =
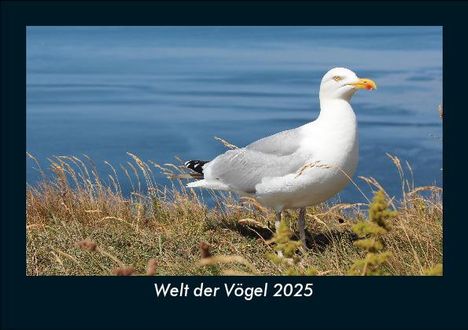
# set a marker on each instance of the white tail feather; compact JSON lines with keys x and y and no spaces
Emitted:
{"x":208,"y":185}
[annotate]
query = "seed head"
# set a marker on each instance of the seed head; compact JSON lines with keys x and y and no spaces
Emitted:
{"x":87,"y":244}
{"x":205,"y":250}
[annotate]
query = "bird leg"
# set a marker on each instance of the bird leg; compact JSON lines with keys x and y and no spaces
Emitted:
{"x":277,"y":225}
{"x":277,"y":221}
{"x":301,"y":225}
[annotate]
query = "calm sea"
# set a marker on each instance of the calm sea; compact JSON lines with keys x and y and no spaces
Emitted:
{"x":161,"y":92}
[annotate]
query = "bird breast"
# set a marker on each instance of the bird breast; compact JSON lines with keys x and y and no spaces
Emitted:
{"x":333,"y":138}
{"x":332,"y":145}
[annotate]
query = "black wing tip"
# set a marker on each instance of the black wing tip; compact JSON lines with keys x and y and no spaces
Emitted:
{"x":196,"y":165}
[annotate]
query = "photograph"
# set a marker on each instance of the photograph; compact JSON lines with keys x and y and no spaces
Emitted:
{"x":234,"y":150}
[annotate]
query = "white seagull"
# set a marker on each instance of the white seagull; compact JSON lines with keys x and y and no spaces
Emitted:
{"x":299,"y":167}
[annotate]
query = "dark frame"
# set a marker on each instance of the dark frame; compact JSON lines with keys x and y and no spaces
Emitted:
{"x":130,"y":302}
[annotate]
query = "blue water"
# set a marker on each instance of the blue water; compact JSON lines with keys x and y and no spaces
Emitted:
{"x":161,"y":92}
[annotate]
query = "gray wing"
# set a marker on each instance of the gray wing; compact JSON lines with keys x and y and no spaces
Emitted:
{"x":281,"y":144}
{"x":273,"y":156}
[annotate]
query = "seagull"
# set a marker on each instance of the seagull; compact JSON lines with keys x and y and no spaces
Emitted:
{"x":299,"y":167}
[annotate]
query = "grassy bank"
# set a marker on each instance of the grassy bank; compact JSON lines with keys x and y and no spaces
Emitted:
{"x":79,"y":223}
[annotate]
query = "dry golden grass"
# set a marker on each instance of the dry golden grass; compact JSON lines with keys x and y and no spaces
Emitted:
{"x":79,"y":223}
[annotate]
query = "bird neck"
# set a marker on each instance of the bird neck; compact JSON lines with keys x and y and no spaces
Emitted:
{"x":336,"y":110}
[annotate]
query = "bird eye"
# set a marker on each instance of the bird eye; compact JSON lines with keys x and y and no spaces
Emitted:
{"x":337,"y":78}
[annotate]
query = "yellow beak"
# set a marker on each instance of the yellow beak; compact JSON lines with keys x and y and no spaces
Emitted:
{"x":364,"y":83}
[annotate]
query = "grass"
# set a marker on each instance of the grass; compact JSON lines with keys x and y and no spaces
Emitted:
{"x":79,"y":223}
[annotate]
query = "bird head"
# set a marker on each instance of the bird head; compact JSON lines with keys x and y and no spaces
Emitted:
{"x":342,"y":83}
